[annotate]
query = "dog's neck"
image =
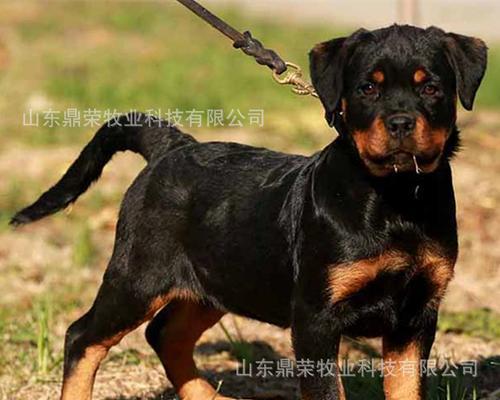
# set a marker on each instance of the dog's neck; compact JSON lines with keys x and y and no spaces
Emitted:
{"x":340,"y":163}
{"x":452,"y":144}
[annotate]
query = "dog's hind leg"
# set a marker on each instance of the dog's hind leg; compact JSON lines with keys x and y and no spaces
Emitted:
{"x":118,"y":309}
{"x":173,"y":334}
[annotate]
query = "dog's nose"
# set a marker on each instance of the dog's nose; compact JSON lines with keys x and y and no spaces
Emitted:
{"x":400,"y":125}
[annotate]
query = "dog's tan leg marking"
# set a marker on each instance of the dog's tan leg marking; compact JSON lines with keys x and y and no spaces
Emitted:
{"x":439,"y":271}
{"x":78,"y":386}
{"x":184,"y":326}
{"x":406,"y":381}
{"x":347,"y":278}
{"x":402,"y":377}
{"x":79,"y":383}
{"x":340,"y":385}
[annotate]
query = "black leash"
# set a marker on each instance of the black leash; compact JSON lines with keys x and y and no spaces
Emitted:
{"x":254,"y":48}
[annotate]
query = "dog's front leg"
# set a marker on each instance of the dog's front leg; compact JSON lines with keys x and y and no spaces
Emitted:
{"x":406,"y":351}
{"x":316,"y":345}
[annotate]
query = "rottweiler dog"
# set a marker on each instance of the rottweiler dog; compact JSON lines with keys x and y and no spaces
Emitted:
{"x":359,"y":239}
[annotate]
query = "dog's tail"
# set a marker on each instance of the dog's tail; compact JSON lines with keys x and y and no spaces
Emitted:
{"x":137,"y":132}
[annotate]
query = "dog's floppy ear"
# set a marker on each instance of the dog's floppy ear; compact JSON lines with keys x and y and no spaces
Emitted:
{"x":326,"y":63}
{"x":468,"y":57}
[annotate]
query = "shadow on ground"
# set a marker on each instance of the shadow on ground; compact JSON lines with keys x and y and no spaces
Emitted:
{"x":446,"y":384}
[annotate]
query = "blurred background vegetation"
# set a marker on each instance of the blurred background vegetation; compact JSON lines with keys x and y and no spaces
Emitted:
{"x":148,"y":55}
{"x":125,"y":55}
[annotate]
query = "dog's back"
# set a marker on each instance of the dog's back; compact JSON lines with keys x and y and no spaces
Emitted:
{"x":194,"y":203}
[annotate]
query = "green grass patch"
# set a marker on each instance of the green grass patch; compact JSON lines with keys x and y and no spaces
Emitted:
{"x":160,"y":56}
{"x":241,"y":349}
{"x":489,"y":93}
{"x":84,"y":250}
{"x":96,"y":55}
{"x":480,"y":323}
{"x":43,"y":316}
{"x":17,"y":193}
{"x":28,"y":345}
{"x":163,"y":66}
{"x":29,"y":336}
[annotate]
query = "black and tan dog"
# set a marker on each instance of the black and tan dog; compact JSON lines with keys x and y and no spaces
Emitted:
{"x":359,"y":239}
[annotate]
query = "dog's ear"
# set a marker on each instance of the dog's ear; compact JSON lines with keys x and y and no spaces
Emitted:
{"x":468,"y":57}
{"x":326,"y":63}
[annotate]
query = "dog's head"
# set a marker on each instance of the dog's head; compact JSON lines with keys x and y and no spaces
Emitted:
{"x":394,"y":92}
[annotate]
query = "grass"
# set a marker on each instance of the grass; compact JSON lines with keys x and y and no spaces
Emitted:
{"x":84,"y":250}
{"x":156,"y":55}
{"x":489,"y":93}
{"x":43,"y":316}
{"x":482,"y":323}
{"x":9,"y":202}
{"x":172,"y":61}
{"x":28,"y":348}
{"x":241,"y":349}
{"x":439,"y":387}
{"x":445,"y":384}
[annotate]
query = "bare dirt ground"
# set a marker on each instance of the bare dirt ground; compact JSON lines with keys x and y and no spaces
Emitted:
{"x":60,"y":261}
{"x":39,"y":260}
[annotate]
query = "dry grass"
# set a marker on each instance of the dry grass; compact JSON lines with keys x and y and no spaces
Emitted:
{"x":50,"y":272}
{"x":38,"y":264}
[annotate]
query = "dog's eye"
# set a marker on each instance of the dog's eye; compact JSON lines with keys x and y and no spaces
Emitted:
{"x":368,"y":89}
{"x":430,"y":90}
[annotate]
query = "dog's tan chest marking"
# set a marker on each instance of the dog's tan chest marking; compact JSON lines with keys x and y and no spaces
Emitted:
{"x":346,"y":279}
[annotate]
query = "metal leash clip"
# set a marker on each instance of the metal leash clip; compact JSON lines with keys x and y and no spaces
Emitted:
{"x":294,"y":78}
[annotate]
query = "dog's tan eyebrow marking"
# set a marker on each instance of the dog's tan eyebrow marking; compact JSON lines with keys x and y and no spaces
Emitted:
{"x":420,"y":75}
{"x":378,"y":76}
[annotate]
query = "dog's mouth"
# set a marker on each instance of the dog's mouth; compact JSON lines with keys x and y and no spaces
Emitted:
{"x":399,"y":160}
